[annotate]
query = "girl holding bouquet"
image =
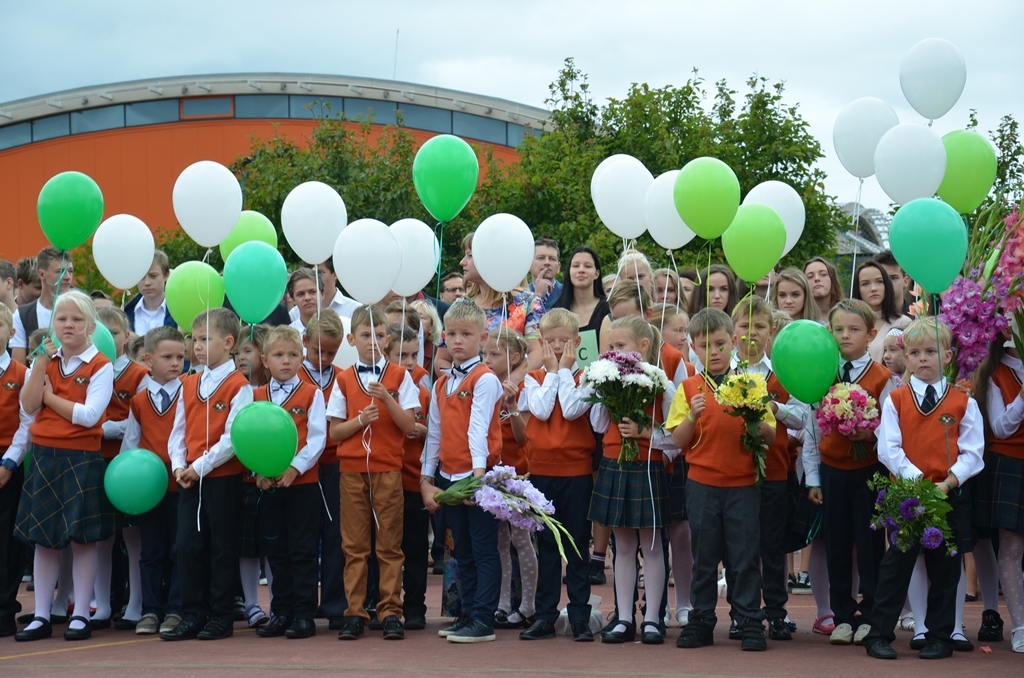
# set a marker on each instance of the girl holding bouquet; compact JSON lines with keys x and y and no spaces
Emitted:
{"x":631,"y":495}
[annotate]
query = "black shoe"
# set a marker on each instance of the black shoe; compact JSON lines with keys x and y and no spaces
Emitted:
{"x":351,"y":629}
{"x":7,"y":626}
{"x":100,"y":624}
{"x":276,"y":628}
{"x":188,"y":629}
{"x":84,"y":633}
{"x":962,"y":644}
{"x":918,"y":643}
{"x":216,"y":629}
{"x":581,"y":632}
{"x":44,"y":631}
{"x":539,"y":630}
{"x":620,"y":637}
{"x":393,"y":629}
{"x":301,"y":628}
{"x":504,"y":620}
{"x":457,"y":625}
{"x":880,"y":649}
{"x":968,"y":598}
{"x":753,"y":638}
{"x":991,"y":630}
{"x":239,"y":609}
{"x":336,"y":623}
{"x":123,"y":624}
{"x":58,"y":619}
{"x":374,"y":623}
{"x":936,"y":650}
{"x":475,"y":631}
{"x":696,"y":634}
{"x":777,"y":630}
{"x":415,"y":623}
{"x":597,"y":575}
{"x":652,"y":636}
{"x":735,"y":632}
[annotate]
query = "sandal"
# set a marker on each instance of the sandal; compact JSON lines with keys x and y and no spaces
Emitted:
{"x":906,"y":622}
{"x":255,"y":616}
{"x":824,"y":625}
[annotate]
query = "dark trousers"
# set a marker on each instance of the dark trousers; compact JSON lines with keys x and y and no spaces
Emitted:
{"x":289,"y":522}
{"x":415,"y":548}
{"x":159,"y":561}
{"x":774,"y":506}
{"x":848,"y":506}
{"x":208,"y":551}
{"x":332,"y":560}
{"x":475,"y":533}
{"x":438,"y":525}
{"x":12,"y":556}
{"x":571,"y":497}
{"x":725,"y":527}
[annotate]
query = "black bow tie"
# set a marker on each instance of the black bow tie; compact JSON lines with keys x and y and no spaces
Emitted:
{"x":463,"y":369}
{"x":367,"y":368}
{"x":276,"y":386}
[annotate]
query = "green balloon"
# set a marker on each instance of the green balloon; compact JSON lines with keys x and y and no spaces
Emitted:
{"x":805,"y":358}
{"x":445,"y":173}
{"x":707,"y":194}
{"x":136,"y":481}
{"x":754,"y":242}
{"x":255,"y":277}
{"x":70,"y":209}
{"x":929,"y":240}
{"x":970,"y":170}
{"x":251,"y":226}
{"x":192,"y":288}
{"x":101,"y":338}
{"x":265,"y":438}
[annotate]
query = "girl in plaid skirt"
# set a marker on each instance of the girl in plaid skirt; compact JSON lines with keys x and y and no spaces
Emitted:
{"x":63,"y":502}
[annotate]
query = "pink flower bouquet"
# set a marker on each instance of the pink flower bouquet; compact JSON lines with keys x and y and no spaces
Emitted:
{"x":849,"y":409}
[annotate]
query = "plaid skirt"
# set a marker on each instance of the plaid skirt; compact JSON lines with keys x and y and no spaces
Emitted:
{"x":120,"y":519}
{"x":677,"y":491}
{"x":999,"y":493}
{"x":249,"y":522}
{"x":63,"y":500}
{"x":635,"y":496}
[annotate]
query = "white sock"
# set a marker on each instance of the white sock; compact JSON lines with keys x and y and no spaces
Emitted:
{"x":101,"y":587}
{"x":817,"y":574}
{"x":624,"y":572}
{"x":249,"y":571}
{"x":45,"y":566}
{"x":917,"y":596}
{"x":682,"y":562}
{"x":133,"y":545}
{"x":961,"y":593}
{"x":988,"y":573}
{"x":65,"y":583}
{"x":654,"y":573}
{"x":1011,"y":550}
{"x":84,"y":574}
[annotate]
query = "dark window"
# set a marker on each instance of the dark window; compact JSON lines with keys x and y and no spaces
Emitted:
{"x":479,"y":128}
{"x":15,"y":135}
{"x":379,"y":112}
{"x":310,"y":106}
{"x":50,"y":128}
{"x":426,"y":118}
{"x":97,"y":119}
{"x":261,"y":106}
{"x":206,"y":107}
{"x":517,"y":132}
{"x":151,"y":112}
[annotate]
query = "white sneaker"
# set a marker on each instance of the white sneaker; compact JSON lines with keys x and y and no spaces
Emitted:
{"x":862,"y":631}
{"x":843,"y":635}
{"x":683,"y":617}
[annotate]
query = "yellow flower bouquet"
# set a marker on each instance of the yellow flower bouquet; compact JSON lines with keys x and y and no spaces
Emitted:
{"x":746,"y":394}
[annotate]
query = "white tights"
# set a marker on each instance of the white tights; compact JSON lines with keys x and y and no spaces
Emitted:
{"x":45,"y":569}
{"x":514,"y":536}
{"x":104,"y":559}
{"x":917,"y":596}
{"x":682,"y":562}
{"x":249,"y":572}
{"x":988,"y":573}
{"x":625,"y":572}
{"x":817,"y":574}
{"x":1011,"y":550}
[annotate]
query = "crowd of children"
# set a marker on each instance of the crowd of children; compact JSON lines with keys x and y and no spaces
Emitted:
{"x":343,"y":533}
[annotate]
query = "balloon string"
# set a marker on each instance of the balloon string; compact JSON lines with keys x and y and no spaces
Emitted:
{"x":319,"y":310}
{"x":675,"y":268}
{"x":199,"y":506}
{"x":439,"y":232}
{"x":60,"y":279}
{"x":856,"y":228}
{"x":367,"y":436}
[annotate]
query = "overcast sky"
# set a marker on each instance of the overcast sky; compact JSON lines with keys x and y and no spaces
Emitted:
{"x":829,"y":52}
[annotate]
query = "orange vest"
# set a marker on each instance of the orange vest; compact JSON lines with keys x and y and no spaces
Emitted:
{"x":327,"y":457}
{"x":716,"y":455}
{"x":296,"y":404}
{"x":412,"y":448}
{"x":52,"y":430}
{"x":930,"y":440}
{"x":1009,"y":386}
{"x":200,"y":436}
{"x":779,"y":461}
{"x":126,"y":386}
{"x":155,"y":427}
{"x":418,"y":373}
{"x":613,"y":439}
{"x":559,"y":447}
{"x":836,"y":449}
{"x":11,"y":381}
{"x":385,"y":439}
{"x":454,"y":410}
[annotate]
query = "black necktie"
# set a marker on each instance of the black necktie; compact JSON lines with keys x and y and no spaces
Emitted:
{"x":846,"y":372}
{"x":719,"y":378}
{"x":367,"y":368}
{"x":930,"y":399}
{"x":165,"y":401}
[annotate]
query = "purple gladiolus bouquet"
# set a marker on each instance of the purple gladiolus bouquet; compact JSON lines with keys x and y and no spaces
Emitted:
{"x":913,"y":511}
{"x":510,"y":498}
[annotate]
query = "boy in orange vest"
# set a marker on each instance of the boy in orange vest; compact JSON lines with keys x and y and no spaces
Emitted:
{"x":210,"y":477}
{"x":149,"y":424}
{"x":383,"y":398}
{"x":930,"y":430}
{"x":13,"y":445}
{"x":464,"y":439}
{"x":289,"y":507}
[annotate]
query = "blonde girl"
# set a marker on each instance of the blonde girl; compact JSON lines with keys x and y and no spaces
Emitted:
{"x":792,"y":294}
{"x":666,"y":287}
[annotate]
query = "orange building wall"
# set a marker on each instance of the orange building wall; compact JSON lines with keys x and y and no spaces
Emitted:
{"x":135,"y":167}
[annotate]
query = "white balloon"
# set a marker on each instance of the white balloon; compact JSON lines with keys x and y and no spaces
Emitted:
{"x":367,"y":259}
{"x":932,"y":76}
{"x":503,"y":251}
{"x":784,"y":199}
{"x":857,"y":131}
{"x":207,"y":202}
{"x":418,"y":266}
{"x":347,"y":355}
{"x":123,"y":250}
{"x":312,"y":217}
{"x":909,"y":162}
{"x":663,"y":221}
{"x":618,"y":189}
{"x":611,"y":160}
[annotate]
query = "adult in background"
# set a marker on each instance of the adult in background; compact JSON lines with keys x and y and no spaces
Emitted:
{"x":8,"y":285}
{"x":823,"y":278}
{"x":898,"y":277}
{"x":544,"y":272}
{"x":583,"y":294}
{"x":56,"y":276}
{"x":148,"y":308}
{"x":332,"y":296}
{"x":29,"y":286}
{"x":872,"y":284}
{"x":453,"y":287}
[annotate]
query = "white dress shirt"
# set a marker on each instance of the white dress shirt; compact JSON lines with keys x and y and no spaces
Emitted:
{"x":221,"y":451}
{"x":145,"y":320}
{"x":408,"y":392}
{"x":539,"y":399}
{"x":115,"y":429}
{"x":316,"y":423}
{"x":970,"y":440}
{"x":132,"y":429}
{"x":340,"y":304}
{"x":19,"y":444}
{"x":1004,"y":419}
{"x":20,"y":338}
{"x":661,"y":439}
{"x":323,"y":379}
{"x":298,"y":326}
{"x":487,"y":392}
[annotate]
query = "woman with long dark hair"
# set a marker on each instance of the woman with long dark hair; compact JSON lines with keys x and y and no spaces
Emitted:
{"x":582,"y":292}
{"x":872,"y":285}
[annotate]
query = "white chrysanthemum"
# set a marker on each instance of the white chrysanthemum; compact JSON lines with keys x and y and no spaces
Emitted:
{"x":600,"y":372}
{"x":657,"y":375}
{"x":641,"y":380}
